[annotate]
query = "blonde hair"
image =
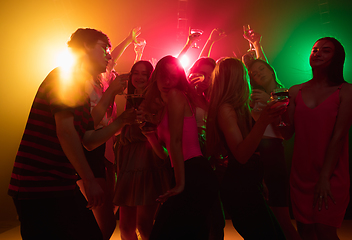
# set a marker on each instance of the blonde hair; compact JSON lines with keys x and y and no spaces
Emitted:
{"x":229,"y":85}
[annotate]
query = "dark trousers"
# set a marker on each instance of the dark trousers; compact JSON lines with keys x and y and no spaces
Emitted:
{"x":216,"y":221}
{"x":57,"y":219}
{"x":250,"y":214}
{"x":184,"y":216}
{"x":276,"y":175}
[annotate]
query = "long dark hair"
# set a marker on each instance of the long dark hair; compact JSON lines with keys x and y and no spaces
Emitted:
{"x":335,"y":68}
{"x":149,"y":67}
{"x":130,"y":87}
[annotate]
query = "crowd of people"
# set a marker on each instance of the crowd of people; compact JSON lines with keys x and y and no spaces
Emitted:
{"x":190,"y":148}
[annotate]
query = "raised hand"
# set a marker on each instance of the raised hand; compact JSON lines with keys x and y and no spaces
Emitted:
{"x":193,"y":37}
{"x":135,"y":32}
{"x":251,"y":36}
{"x":217,"y":34}
{"x":139,"y":46}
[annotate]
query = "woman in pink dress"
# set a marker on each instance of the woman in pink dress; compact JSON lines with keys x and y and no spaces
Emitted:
{"x":320,"y":116}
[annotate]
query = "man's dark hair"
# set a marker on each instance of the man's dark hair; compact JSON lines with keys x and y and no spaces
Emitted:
{"x":88,"y":36}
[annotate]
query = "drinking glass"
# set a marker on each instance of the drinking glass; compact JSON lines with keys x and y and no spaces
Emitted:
{"x":140,"y":42}
{"x":124,"y":78}
{"x":282,"y":96}
{"x":198,"y":31}
{"x":135,"y":100}
{"x":139,"y":45}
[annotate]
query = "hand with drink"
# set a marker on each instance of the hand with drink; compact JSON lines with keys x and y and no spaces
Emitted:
{"x":259,"y":95}
{"x":270,"y":113}
{"x":128,"y":116}
{"x":193,"y":37}
{"x":135,"y":100}
{"x":252,"y":37}
{"x":148,"y":121}
{"x":119,"y":84}
{"x":259,"y":98}
{"x":139,"y":45}
{"x":196,"y":33}
{"x":145,"y":119}
{"x":281,"y":98}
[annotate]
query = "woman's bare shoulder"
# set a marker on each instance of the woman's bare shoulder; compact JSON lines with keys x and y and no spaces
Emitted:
{"x":347,"y":87}
{"x":293,"y":91}
{"x":346,"y":91}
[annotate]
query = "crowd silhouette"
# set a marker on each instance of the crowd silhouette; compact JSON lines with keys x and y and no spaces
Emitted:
{"x":192,"y":146}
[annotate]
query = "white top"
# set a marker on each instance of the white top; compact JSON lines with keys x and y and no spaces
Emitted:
{"x":95,"y":92}
{"x":269,"y":131}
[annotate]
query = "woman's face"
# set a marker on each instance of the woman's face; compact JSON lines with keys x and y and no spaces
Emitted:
{"x":139,"y":77}
{"x":206,"y":70}
{"x":322,"y":53}
{"x":261,"y":74}
{"x":168,"y":80}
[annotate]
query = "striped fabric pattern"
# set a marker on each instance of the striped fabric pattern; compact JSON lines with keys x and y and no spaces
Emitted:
{"x":41,"y":169}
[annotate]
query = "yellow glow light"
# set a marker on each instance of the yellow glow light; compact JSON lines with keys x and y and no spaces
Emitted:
{"x":66,"y":59}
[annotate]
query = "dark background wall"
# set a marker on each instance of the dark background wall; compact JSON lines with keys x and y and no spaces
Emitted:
{"x":35,"y":32}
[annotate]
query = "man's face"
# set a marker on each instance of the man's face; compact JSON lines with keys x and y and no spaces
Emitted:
{"x":99,"y":56}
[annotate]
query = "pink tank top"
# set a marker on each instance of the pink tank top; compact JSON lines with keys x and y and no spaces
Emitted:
{"x":190,"y":142}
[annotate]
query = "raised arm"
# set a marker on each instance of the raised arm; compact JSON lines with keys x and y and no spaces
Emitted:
{"x":119,"y":49}
{"x":72,"y":146}
{"x":138,"y":49}
{"x":190,"y":40}
{"x":94,"y":138}
{"x":216,"y":35}
{"x":116,"y":86}
{"x":254,"y":38}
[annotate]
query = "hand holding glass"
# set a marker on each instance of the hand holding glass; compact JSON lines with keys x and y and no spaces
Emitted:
{"x":282,"y":96}
{"x":196,"y":31}
{"x":135,"y":100}
{"x":139,"y":45}
{"x":119,"y":83}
